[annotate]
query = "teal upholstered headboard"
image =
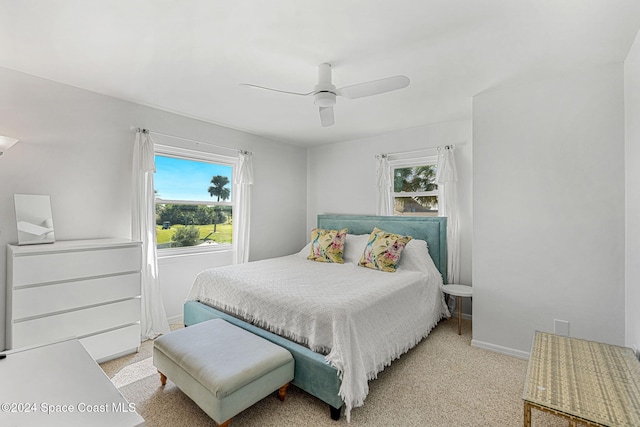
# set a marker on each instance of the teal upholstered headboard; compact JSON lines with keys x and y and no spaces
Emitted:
{"x":431,"y":229}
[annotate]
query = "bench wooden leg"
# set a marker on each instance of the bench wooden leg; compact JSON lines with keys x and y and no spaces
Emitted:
{"x":163,"y":378}
{"x":282,"y":392}
{"x":226,"y":423}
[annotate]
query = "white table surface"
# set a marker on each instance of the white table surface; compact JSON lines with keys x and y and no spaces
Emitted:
{"x":60,"y":385}
{"x":458,"y":290}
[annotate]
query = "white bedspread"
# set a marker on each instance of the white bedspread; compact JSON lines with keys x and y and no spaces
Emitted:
{"x":362,"y":319}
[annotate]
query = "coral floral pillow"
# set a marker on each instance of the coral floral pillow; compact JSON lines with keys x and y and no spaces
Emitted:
{"x":327,"y":245}
{"x":383,"y":250}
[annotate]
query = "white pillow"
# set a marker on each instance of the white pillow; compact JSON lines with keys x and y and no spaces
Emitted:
{"x":304,"y":252}
{"x":415,"y":256}
{"x":354,"y":246}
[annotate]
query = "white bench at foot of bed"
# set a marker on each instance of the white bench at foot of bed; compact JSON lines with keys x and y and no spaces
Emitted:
{"x":222,"y":368}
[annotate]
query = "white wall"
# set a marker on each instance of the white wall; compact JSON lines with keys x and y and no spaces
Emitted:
{"x":548,"y":199}
{"x":632,"y":195}
{"x":76,"y":146}
{"x":341,"y":177}
{"x":533,"y":261}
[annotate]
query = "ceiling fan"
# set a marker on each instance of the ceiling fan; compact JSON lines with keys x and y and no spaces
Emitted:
{"x":324,"y":93}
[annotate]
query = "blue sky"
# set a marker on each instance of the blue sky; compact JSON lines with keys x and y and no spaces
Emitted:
{"x":180,"y":179}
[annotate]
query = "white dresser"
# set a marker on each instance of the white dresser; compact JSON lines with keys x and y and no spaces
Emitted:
{"x":89,"y":289}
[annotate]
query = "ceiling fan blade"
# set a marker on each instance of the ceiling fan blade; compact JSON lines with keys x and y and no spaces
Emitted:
{"x":275,"y":90}
{"x":326,"y":116}
{"x":373,"y":87}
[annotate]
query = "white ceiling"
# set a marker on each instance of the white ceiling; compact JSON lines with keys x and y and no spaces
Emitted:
{"x":189,"y":56}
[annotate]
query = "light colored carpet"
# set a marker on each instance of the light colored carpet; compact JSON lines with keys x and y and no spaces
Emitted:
{"x":442,"y":382}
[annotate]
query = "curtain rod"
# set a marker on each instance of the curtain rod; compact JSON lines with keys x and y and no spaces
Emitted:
{"x":189,"y":140}
{"x":446,"y":147}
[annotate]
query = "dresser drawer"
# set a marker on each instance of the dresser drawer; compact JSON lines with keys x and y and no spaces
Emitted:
{"x":78,"y":323}
{"x":37,"y":268}
{"x":42,"y":300}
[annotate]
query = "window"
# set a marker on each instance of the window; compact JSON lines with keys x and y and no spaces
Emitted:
{"x":194,"y":200}
{"x":415,"y":191}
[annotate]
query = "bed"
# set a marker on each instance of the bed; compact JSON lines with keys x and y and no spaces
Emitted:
{"x":363,"y":319}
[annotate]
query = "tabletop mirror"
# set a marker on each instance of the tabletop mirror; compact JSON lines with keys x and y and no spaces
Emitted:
{"x":34,"y":219}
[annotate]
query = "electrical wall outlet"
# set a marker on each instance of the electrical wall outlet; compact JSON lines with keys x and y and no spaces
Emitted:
{"x":561,"y":327}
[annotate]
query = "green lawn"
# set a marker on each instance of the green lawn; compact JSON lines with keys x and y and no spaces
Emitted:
{"x":222,"y":234}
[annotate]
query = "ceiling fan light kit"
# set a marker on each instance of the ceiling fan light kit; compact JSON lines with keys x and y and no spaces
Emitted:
{"x":324,"y":99}
{"x":324,"y":93}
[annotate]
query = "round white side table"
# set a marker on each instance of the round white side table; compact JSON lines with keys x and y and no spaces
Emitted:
{"x":459,"y":291}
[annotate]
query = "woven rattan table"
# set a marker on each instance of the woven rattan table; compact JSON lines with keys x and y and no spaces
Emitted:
{"x":589,"y":383}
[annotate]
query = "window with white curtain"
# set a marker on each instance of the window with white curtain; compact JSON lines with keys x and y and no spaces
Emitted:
{"x":414,"y":189}
{"x":194,"y":200}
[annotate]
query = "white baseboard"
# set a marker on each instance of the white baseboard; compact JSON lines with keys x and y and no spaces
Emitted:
{"x":465,"y":316}
{"x":499,"y":349}
{"x":179,"y":319}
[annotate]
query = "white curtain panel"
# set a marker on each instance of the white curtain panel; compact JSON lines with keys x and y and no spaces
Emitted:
{"x":241,"y":223}
{"x":384,"y":205}
{"x":143,"y":228}
{"x":447,"y":178}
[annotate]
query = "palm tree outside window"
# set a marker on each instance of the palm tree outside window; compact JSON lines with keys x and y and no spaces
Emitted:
{"x":194,"y":202}
{"x":415,"y":191}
